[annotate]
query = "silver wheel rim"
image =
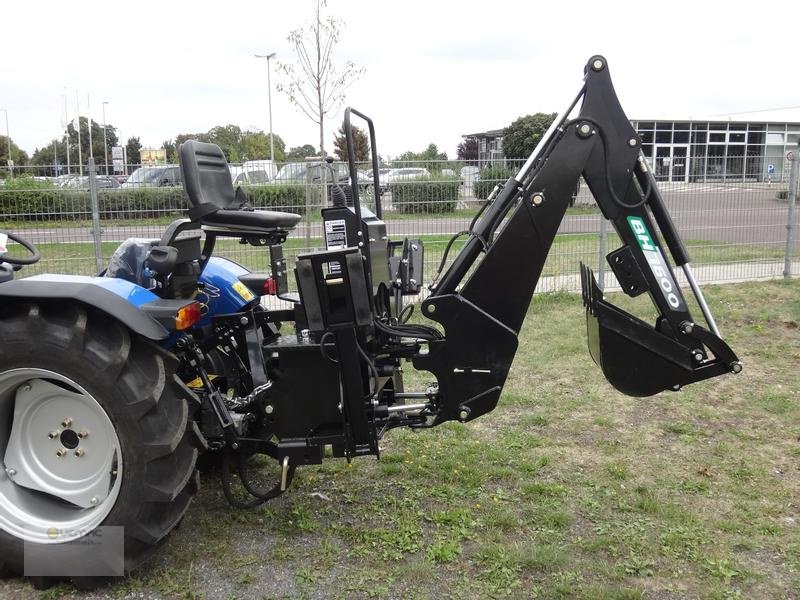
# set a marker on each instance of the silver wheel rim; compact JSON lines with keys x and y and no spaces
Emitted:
{"x":61,"y":459}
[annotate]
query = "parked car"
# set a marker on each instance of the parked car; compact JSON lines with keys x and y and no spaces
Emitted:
{"x":298,"y":173}
{"x":248,"y":175}
{"x":470,"y":175}
{"x":81,"y":182}
{"x":406,"y":174}
{"x":162,"y":176}
{"x":383,"y":175}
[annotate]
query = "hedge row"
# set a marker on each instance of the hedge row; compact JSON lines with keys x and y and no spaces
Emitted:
{"x":133,"y":203}
{"x":489,"y":178}
{"x":425,"y":196}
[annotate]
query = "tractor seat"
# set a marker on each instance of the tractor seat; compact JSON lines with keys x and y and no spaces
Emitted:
{"x":207,"y":179}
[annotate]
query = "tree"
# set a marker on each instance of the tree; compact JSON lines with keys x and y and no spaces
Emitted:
{"x":255,"y":146}
{"x":468,"y":150}
{"x":430,"y":158}
{"x":317,"y":84}
{"x":56,"y":150}
{"x":237,"y":145}
{"x":360,"y":144}
{"x":132,"y":148}
{"x":172,"y":151}
{"x":19,"y":156}
{"x":521,"y":137}
{"x":298,"y":153}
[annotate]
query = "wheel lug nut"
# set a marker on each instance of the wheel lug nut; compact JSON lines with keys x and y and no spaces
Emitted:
{"x":80,"y":452}
{"x":66,"y":423}
{"x":61,"y":452}
{"x":52,"y":435}
{"x":83,"y":434}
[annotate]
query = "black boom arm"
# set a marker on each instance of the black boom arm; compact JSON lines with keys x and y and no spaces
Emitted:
{"x":481,"y":305}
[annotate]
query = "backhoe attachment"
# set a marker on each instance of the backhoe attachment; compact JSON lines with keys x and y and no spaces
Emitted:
{"x":488,"y":299}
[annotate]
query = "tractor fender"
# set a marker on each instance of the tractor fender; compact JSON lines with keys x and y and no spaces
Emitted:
{"x":121,"y":299}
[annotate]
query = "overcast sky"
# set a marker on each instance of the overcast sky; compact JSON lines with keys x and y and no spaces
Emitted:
{"x":433,"y":70}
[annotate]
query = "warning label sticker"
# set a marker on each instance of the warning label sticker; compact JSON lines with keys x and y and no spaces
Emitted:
{"x":335,"y":239}
{"x":335,"y":234}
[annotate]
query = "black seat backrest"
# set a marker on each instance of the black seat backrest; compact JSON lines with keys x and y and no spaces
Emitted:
{"x":207,"y":178}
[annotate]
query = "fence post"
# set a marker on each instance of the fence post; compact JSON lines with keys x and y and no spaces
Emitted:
{"x":601,"y":254}
{"x":96,"y":233}
{"x":792,"y":198}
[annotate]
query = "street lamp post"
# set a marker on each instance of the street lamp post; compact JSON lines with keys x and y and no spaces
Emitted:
{"x":105,"y":141}
{"x":8,"y":141}
{"x":269,"y":100}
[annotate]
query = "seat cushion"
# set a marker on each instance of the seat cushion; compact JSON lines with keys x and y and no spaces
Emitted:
{"x":252,"y":219}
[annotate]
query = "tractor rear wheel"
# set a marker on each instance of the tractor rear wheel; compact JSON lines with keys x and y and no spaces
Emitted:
{"x":95,"y":432}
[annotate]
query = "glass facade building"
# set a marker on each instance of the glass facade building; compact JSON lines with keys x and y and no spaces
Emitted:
{"x":688,"y":151}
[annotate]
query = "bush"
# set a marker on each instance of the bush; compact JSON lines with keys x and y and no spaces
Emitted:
{"x":132,"y":203}
{"x":490,"y":177}
{"x":288,"y":198}
{"x":423,"y":195}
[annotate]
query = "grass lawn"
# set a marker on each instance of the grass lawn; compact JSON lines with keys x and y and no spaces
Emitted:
{"x":567,"y":490}
{"x":567,"y":251}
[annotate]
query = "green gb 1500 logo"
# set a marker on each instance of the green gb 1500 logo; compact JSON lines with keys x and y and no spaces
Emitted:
{"x":657,"y":263}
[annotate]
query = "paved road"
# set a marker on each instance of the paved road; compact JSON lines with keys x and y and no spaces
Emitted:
{"x":729,"y":213}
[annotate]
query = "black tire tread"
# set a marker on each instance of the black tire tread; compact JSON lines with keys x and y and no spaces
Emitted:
{"x":156,"y":408}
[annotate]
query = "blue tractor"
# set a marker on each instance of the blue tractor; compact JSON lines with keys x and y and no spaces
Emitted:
{"x":111,"y":387}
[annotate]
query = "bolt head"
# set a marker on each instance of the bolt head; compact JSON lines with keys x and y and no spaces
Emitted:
{"x":585,"y":128}
{"x":26,"y":387}
{"x":537,"y":199}
{"x":430,"y":309}
{"x":736,"y":367}
{"x":11,"y":472}
{"x":244,"y":321}
{"x":597,"y":65}
{"x":698,"y":356}
{"x":632,"y":142}
{"x":94,"y":501}
{"x":269,"y":409}
{"x":463,"y":415}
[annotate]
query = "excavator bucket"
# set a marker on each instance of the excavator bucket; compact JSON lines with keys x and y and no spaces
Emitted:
{"x":636,"y":359}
